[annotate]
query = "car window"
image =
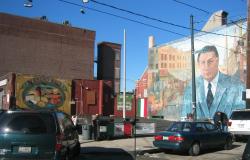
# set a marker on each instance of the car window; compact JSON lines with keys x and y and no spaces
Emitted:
{"x":186,"y":127}
{"x":27,"y":123}
{"x":199,"y":127}
{"x":175,"y":127}
{"x":211,"y":127}
{"x":240,"y":115}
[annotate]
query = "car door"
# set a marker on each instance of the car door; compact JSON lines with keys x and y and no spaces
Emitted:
{"x":201,"y":135}
{"x":215,"y":136}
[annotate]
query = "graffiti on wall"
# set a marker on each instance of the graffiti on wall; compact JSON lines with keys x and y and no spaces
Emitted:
{"x":41,"y":92}
{"x":169,"y":75}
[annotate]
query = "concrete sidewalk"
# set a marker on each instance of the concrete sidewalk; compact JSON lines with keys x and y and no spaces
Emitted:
{"x":140,"y":144}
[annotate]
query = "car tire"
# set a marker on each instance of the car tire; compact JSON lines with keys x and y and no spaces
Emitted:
{"x":194,"y":150}
{"x":229,"y":143}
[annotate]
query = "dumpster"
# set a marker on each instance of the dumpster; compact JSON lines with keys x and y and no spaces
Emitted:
{"x":115,"y":129}
{"x":101,"y":128}
{"x":86,"y":132}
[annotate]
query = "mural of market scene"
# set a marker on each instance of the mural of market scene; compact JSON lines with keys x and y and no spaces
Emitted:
{"x":169,"y":74}
{"x":40,"y":92}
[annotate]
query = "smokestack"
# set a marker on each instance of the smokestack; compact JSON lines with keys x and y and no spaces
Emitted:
{"x":217,"y":19}
{"x":151,"y":41}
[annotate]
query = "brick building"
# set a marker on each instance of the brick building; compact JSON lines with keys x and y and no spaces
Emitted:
{"x":36,"y":46}
{"x":109,"y":63}
{"x":141,"y":85}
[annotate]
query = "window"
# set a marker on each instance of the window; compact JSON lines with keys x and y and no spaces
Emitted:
{"x":187,"y":127}
{"x":91,"y":98}
{"x":28,"y":123}
{"x":210,"y":127}
{"x":240,"y":115}
{"x":199,"y":127}
{"x":175,"y":127}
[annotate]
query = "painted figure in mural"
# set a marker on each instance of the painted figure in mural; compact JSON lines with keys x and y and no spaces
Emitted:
{"x":215,"y":91}
{"x":55,"y":97}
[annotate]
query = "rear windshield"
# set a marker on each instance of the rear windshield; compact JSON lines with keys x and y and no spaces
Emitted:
{"x":28,"y":123}
{"x":240,"y":115}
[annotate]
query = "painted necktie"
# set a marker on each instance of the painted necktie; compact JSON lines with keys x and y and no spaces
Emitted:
{"x":210,"y":97}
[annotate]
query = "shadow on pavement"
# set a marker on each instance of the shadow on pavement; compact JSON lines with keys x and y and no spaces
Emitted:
{"x":97,"y":153}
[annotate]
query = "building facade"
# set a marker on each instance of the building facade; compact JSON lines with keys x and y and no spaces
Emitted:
{"x":169,"y":67}
{"x":109,"y":64}
{"x":36,"y":46}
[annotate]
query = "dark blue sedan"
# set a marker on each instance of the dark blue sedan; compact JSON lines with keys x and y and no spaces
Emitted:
{"x":192,"y":137}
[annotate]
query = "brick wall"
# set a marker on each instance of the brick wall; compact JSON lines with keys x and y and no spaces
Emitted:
{"x":35,"y":46}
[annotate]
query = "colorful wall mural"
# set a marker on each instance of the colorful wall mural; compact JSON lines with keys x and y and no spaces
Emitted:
{"x":169,"y":74}
{"x":40,"y":92}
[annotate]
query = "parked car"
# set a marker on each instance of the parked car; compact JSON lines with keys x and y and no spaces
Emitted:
{"x":192,"y":137}
{"x":239,"y":123}
{"x":48,"y":135}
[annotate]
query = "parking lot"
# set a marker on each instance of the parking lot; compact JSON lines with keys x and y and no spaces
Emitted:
{"x":124,"y":149}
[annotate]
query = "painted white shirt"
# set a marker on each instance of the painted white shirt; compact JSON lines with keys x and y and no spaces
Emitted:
{"x":213,"y":84}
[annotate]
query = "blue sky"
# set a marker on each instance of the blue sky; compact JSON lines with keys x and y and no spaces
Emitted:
{"x":110,"y":28}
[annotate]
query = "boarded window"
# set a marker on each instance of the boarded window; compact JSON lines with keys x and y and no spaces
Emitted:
{"x":91,"y":97}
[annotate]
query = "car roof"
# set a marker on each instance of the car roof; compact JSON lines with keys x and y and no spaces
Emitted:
{"x":29,"y":111}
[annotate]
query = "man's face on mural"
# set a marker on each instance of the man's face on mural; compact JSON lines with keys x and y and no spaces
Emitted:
{"x":208,"y":64}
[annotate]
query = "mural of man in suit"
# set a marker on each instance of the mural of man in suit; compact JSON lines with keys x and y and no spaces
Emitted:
{"x":215,"y":91}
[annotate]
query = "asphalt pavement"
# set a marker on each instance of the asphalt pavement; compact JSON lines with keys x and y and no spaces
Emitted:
{"x":142,"y":148}
{"x":139,"y":144}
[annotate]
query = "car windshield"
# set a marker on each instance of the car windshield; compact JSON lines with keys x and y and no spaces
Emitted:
{"x":240,"y":115}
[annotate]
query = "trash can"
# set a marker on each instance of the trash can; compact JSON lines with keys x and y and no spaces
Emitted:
{"x":86,"y":131}
{"x":128,"y":129}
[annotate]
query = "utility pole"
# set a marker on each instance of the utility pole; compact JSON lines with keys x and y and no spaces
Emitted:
{"x":124,"y":78}
{"x":193,"y":68}
{"x":248,"y":57}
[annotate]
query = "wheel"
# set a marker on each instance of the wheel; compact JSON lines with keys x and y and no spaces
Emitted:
{"x":194,"y":150}
{"x":229,"y":143}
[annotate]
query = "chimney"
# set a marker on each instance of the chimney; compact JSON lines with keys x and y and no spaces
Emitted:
{"x":151,"y":41}
{"x":217,"y":19}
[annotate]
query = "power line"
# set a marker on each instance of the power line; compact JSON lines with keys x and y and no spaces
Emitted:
{"x":145,"y":24}
{"x":192,"y":6}
{"x":205,"y":11}
{"x":161,"y":21}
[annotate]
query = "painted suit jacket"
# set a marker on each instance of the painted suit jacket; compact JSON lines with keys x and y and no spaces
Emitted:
{"x":228,"y":97}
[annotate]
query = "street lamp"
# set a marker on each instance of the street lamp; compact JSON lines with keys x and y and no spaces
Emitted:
{"x":28,"y":3}
{"x":85,"y":1}
{"x":82,"y":11}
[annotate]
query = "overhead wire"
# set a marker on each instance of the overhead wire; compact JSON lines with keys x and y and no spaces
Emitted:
{"x":202,"y":10}
{"x":145,"y":24}
{"x":161,"y":21}
{"x":142,"y":23}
